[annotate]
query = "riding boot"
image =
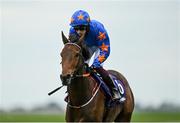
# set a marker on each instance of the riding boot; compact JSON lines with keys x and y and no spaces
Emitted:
{"x":105,"y":75}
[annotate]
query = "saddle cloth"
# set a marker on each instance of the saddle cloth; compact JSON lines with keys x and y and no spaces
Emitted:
{"x":119,"y":86}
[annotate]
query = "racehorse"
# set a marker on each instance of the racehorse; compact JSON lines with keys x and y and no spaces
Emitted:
{"x":86,"y":101}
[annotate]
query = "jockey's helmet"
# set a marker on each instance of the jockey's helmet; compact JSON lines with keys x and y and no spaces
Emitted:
{"x":80,"y":17}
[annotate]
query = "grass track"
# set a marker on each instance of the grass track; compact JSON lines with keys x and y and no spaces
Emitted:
{"x":31,"y":118}
{"x":156,"y":117}
{"x":138,"y":117}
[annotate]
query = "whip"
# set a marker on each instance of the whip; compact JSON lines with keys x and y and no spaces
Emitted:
{"x":50,"y":93}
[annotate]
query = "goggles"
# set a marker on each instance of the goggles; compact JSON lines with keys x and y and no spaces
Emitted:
{"x":81,"y":28}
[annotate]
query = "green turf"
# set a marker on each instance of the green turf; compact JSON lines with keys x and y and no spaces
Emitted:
{"x":156,"y":117}
{"x":138,"y":117}
{"x":31,"y":118}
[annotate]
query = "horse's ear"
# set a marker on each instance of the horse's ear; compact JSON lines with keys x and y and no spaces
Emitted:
{"x":64,"y":39}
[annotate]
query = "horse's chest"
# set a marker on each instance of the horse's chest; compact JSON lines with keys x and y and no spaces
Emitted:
{"x":84,"y":115}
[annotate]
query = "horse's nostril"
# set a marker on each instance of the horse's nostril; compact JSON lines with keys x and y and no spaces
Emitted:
{"x":62,"y":77}
{"x":65,"y":78}
{"x":68,"y":75}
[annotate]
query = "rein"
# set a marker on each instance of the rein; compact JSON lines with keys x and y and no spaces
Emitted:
{"x":72,"y":76}
{"x":83,"y":75}
{"x":85,"y":104}
{"x":96,"y":89}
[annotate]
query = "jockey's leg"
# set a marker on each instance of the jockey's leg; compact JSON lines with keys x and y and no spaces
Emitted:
{"x":105,"y":75}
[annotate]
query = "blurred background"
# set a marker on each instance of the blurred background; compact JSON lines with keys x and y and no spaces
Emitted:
{"x":145,"y":48}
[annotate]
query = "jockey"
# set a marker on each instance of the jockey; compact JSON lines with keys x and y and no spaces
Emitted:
{"x":96,"y":41}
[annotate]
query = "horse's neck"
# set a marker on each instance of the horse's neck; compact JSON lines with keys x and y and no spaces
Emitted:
{"x":80,"y":90}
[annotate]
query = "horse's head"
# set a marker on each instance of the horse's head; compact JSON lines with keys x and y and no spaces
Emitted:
{"x":72,"y":59}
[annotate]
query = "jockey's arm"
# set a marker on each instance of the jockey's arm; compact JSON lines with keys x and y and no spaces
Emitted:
{"x":104,"y":47}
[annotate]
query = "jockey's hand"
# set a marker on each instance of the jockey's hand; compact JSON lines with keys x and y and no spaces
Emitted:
{"x":92,"y":69}
{"x":93,"y":66}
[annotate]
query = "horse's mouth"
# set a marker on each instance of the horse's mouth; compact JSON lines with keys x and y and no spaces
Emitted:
{"x":66,"y":80}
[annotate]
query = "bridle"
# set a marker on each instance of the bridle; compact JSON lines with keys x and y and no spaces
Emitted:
{"x":75,"y":75}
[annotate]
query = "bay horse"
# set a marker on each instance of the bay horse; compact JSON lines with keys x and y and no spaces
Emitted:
{"x":86,"y":101}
